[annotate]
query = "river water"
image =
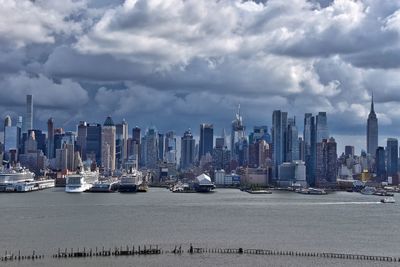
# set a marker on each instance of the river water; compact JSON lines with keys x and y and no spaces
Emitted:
{"x":339,"y":222}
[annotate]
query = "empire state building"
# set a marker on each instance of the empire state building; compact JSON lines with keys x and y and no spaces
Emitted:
{"x":372,"y":130}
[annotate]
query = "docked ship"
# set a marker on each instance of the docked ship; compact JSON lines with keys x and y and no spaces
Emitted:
{"x":311,"y":191}
{"x":81,"y":181}
{"x":15,"y":174}
{"x":104,"y":187}
{"x":129,"y":182}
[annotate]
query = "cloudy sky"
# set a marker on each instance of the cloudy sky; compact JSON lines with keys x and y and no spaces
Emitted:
{"x":177,"y":63}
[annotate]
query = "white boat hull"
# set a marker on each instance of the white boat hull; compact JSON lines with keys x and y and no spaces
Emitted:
{"x":78,"y":189}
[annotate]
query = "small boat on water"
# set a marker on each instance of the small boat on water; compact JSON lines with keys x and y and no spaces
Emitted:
{"x":388,"y":200}
{"x":368,"y":190}
{"x":311,"y":191}
{"x":258,"y":192}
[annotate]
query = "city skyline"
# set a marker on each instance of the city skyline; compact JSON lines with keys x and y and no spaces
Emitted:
{"x":94,"y":55}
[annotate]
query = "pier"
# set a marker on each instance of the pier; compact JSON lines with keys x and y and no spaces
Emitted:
{"x":148,"y":250}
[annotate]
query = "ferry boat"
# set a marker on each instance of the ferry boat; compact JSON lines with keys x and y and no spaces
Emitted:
{"x":311,"y":191}
{"x":104,"y":187}
{"x":129,"y":182}
{"x":81,"y":181}
{"x":368,"y":190}
{"x":388,"y":200}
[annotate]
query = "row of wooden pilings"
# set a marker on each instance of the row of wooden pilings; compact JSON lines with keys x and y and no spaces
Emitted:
{"x":294,"y":254}
{"x":155,"y":250}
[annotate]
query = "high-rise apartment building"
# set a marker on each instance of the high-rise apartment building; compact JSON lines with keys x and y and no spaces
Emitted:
{"x":121,"y":143}
{"x":28,"y":119}
{"x":50,"y":139}
{"x":187,"y":150}
{"x":322,"y":127}
{"x":206,"y":142}
{"x":108,"y":136}
{"x":392,"y":152}
{"x":279,"y":125}
{"x":81,"y":139}
{"x":93,"y":142}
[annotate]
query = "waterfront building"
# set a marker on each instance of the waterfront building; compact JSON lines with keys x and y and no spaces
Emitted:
{"x":279,"y":126}
{"x":28,"y":119}
{"x":255,"y":176}
{"x":331,"y":164}
{"x":121,"y":143}
{"x":326,"y":162}
{"x":206,"y":142}
{"x":292,"y":173}
{"x":392,"y":152}
{"x":50,"y":139}
{"x":108,"y":136}
{"x":372,"y":130}
{"x":187,"y":150}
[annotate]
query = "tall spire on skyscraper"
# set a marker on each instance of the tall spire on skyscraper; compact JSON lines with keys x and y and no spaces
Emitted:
{"x":372,"y":103}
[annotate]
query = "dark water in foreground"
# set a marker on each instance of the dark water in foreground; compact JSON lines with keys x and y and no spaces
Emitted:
{"x":339,"y":222}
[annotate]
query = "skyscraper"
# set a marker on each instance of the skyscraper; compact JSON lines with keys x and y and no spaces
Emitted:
{"x":392,"y":148}
{"x":187,"y":150}
{"x":50,"y":139}
{"x":121,"y":143}
{"x":279,"y":125}
{"x":150,"y":148}
{"x":237,"y":134}
{"x":170,"y":147}
{"x":206,"y":143}
{"x":136,"y":139}
{"x":322,"y":127}
{"x":326,"y":162}
{"x":28,"y":120}
{"x":81,"y":139}
{"x":292,"y":141}
{"x":310,"y":147}
{"x":380,"y":164}
{"x":372,"y":130}
{"x":108,"y":136}
{"x":331,"y":161}
{"x":93,"y":142}
{"x":160,"y":147}
{"x":349,"y":151}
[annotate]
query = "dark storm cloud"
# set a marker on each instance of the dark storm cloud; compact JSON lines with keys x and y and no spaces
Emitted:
{"x":178,"y":63}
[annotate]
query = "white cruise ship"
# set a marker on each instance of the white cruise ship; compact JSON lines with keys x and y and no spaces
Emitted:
{"x":81,"y":182}
{"x":16,"y":174}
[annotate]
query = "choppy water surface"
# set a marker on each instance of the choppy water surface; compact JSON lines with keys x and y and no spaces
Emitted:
{"x":339,"y":222}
